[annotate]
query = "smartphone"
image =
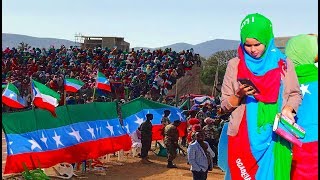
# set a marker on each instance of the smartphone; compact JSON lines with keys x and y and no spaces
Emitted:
{"x":249,"y":83}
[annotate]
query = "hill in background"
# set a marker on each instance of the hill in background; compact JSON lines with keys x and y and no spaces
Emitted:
{"x":205,"y":49}
{"x":13,"y":40}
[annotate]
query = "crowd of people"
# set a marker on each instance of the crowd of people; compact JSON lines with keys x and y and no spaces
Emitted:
{"x":132,"y":73}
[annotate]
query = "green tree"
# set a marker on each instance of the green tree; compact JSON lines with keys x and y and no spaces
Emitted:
{"x":23,"y":45}
{"x":219,"y":59}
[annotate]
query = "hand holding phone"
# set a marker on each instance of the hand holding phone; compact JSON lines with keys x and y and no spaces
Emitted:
{"x":249,"y":87}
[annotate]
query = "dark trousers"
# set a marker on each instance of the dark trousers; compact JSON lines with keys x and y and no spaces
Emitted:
{"x":199,"y":175}
{"x":146,"y":146}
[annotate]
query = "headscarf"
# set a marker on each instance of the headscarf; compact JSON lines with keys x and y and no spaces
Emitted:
{"x":260,"y":28}
{"x":303,"y":50}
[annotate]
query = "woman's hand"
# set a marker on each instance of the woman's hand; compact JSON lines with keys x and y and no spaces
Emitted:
{"x":245,"y":90}
{"x":288,"y":112}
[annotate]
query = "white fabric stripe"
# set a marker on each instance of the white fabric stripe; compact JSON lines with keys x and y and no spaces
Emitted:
{"x":46,"y":98}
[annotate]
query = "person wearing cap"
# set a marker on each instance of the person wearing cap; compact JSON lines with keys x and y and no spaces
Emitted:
{"x":146,"y":138}
{"x":171,"y":137}
{"x":211,"y":135}
{"x":200,"y":157}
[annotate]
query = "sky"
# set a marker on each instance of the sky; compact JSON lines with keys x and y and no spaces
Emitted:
{"x":151,"y":23}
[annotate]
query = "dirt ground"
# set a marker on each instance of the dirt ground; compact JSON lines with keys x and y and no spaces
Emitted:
{"x":133,"y":169}
{"x":129,"y":168}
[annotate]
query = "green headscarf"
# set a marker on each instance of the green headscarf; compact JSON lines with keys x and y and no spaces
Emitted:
{"x":258,"y":27}
{"x":302,"y":49}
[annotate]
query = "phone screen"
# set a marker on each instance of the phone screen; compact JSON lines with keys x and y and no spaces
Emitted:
{"x":249,"y":83}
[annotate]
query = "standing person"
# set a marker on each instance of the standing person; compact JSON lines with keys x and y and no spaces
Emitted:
{"x":303,"y":51}
{"x":171,"y":137}
{"x":165,"y":120}
{"x":146,"y":138}
{"x":254,"y":151}
{"x":200,"y":157}
{"x":211,"y":135}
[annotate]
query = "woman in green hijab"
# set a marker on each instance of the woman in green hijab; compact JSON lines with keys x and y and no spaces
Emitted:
{"x":303,"y":51}
{"x":254,"y":150}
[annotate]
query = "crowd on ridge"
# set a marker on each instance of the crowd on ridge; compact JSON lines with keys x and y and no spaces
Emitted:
{"x":132,"y":74}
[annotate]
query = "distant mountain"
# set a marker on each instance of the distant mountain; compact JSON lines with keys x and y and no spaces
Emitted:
{"x":205,"y":49}
{"x":13,"y":40}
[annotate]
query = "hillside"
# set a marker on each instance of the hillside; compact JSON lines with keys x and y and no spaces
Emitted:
{"x":13,"y":40}
{"x":205,"y":49}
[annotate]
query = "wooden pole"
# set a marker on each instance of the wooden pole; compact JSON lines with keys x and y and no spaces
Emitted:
{"x":177,"y":92}
{"x":31,"y":91}
{"x":94,"y":89}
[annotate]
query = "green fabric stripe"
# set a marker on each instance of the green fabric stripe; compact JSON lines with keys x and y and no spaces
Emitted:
{"x":27,"y":121}
{"x":100,"y":74}
{"x":294,"y":129}
{"x":138,"y":104}
{"x":13,"y":88}
{"x":283,"y":157}
{"x":45,"y":90}
{"x":75,"y":81}
{"x":307,"y":73}
{"x":266,"y":114}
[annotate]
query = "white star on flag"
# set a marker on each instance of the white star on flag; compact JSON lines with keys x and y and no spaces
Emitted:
{"x":106,"y":82}
{"x":304,"y":89}
{"x":110,"y":128}
{"x":57,"y":139}
{"x":127,"y":127}
{"x":91,"y":130}
{"x":97,"y":129}
{"x":34,"y":144}
{"x":139,"y":120}
{"x":44,"y":139}
{"x":180,"y":115}
{"x":76,"y":134}
{"x":11,"y":95}
{"x":11,"y":152}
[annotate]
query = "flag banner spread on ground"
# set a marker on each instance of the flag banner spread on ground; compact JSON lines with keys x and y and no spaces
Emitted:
{"x":11,"y":97}
{"x":134,"y":113}
{"x":85,"y":131}
{"x":44,"y":97}
{"x":204,"y":100}
{"x":103,"y":82}
{"x":72,"y":85}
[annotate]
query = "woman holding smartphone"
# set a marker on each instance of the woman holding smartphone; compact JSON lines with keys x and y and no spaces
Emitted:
{"x":254,"y":151}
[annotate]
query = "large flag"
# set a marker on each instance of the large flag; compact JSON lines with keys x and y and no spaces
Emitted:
{"x":44,"y":97}
{"x":134,"y":113}
{"x":79,"y":132}
{"x":102,"y":82}
{"x":11,"y":97}
{"x":72,"y":85}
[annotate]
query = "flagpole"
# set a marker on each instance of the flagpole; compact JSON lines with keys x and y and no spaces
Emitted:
{"x":32,"y":105}
{"x":64,"y":91}
{"x":94,"y":89}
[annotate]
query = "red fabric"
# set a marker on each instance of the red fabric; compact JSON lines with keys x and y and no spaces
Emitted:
{"x":11,"y":103}
{"x":157,"y":129}
{"x":268,"y":84}
{"x":239,"y":154}
{"x":76,"y":153}
{"x":44,"y":105}
{"x":70,"y":88}
{"x":305,"y":162}
{"x":104,"y":87}
{"x":193,"y":121}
